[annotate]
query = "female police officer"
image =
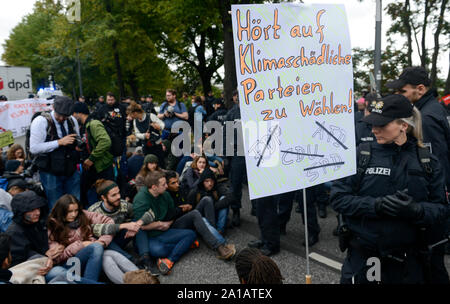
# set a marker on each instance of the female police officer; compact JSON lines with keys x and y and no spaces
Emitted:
{"x":395,"y":205}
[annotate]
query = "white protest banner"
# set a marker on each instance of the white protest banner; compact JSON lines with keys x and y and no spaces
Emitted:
{"x":16,"y":115}
{"x":295,"y":83}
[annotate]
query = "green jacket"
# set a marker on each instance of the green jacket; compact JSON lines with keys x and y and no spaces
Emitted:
{"x":144,"y":201}
{"x":99,"y":144}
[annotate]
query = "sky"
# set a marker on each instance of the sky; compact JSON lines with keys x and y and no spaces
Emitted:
{"x":360,"y":15}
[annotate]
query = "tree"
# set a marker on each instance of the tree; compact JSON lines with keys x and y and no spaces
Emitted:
{"x":413,"y":18}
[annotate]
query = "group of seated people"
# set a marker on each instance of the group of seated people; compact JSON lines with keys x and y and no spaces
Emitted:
{"x":160,"y":221}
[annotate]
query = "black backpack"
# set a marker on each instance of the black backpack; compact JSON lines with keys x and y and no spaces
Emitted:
{"x":115,"y":131}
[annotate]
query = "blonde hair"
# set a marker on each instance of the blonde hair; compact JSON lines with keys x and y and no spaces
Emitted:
{"x":414,"y":126}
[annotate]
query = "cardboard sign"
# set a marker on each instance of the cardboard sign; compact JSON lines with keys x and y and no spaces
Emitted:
{"x":295,"y":83}
{"x":6,"y":138}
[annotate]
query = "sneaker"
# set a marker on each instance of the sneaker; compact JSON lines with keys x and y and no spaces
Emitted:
{"x":195,"y":244}
{"x":225,"y":253}
{"x":165,"y":266}
{"x":150,"y":265}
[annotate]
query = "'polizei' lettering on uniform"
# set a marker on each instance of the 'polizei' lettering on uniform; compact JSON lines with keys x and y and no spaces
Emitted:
{"x":378,"y":171}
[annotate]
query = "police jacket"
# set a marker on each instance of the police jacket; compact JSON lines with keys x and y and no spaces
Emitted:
{"x":363,"y":132}
{"x":436,"y":130}
{"x":391,"y":168}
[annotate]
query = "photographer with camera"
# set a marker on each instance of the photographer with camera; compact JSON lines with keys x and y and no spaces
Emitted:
{"x":147,"y":131}
{"x":99,"y":163}
{"x":171,"y":111}
{"x":19,"y":179}
{"x":52,"y":142}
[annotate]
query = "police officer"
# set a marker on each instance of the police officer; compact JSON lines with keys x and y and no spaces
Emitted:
{"x":238,"y":169}
{"x":395,"y":205}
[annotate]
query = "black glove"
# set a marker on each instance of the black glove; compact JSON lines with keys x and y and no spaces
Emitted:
{"x":403,"y":205}
{"x":383,"y":208}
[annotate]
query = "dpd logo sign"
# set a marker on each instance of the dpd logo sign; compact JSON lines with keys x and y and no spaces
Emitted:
{"x":1,"y":83}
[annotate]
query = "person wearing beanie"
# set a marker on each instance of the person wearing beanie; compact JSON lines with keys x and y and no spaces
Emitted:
{"x":52,"y":140}
{"x":99,"y":161}
{"x":14,"y":166}
{"x":150,"y":165}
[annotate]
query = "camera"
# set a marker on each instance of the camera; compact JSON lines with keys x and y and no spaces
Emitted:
{"x":80,"y":142}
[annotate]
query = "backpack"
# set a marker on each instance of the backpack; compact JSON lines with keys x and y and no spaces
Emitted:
{"x":116,"y":134}
{"x":365,"y":155}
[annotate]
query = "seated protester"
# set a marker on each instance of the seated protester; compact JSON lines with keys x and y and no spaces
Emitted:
{"x":253,"y":267}
{"x":205,"y":207}
{"x":207,"y":193}
{"x":29,"y":234}
{"x":111,"y":205}
{"x":17,"y":180}
{"x":135,"y":163}
{"x":150,"y":165}
{"x":69,"y":228}
{"x":5,"y":258}
{"x":158,"y":239}
{"x":190,"y":178}
{"x":28,"y":231}
{"x":16,"y":152}
{"x":166,"y":211}
{"x":6,"y":214}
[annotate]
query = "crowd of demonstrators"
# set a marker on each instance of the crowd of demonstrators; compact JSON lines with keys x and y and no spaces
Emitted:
{"x":117,"y":210}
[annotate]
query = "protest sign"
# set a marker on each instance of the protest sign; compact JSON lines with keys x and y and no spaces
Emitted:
{"x":295,"y":83}
{"x":6,"y":138}
{"x":16,"y":115}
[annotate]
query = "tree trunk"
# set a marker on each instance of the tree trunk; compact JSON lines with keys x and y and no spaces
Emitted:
{"x":134,"y":87}
{"x":447,"y":83}
{"x":407,"y":24}
{"x":433,"y":75}
{"x":423,"y":58}
{"x":118,"y":70}
{"x":230,"y":79}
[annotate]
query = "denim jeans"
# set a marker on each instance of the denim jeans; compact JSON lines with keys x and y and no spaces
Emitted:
{"x":58,"y":275}
{"x":214,"y":232}
{"x":194,"y":220}
{"x":91,"y":258}
{"x":171,"y":244}
{"x":221,"y":216}
{"x":57,"y":186}
{"x":119,"y":242}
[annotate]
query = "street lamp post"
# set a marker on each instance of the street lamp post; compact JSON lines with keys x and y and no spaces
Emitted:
{"x":377,"y":59}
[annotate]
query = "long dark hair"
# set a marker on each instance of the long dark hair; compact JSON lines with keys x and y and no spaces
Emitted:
{"x":56,"y":222}
{"x":255,"y":268}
